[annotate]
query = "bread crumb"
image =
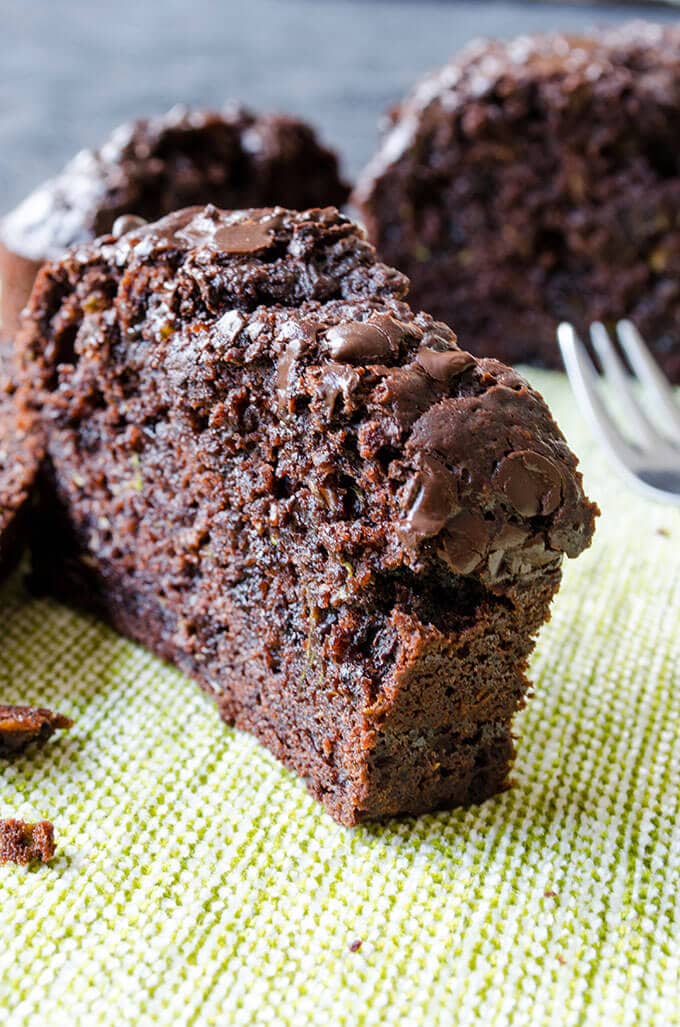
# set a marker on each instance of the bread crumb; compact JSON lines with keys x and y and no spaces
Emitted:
{"x":24,"y":843}
{"x":20,"y":725}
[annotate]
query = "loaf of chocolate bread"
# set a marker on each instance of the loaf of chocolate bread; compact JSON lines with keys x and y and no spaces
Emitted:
{"x":535,"y":181}
{"x":156,"y":165}
{"x":265,"y":467}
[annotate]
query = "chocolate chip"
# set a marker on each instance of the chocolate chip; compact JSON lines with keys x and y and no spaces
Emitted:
{"x":243,"y":237}
{"x":431,"y":500}
{"x":288,"y":358}
{"x":510,"y":536}
{"x":408,"y":390}
{"x":300,"y":335}
{"x":395,"y":330}
{"x":532,"y":483}
{"x":126,"y":223}
{"x":444,"y":366}
{"x":337,"y":380}
{"x":358,"y":343}
{"x":236,"y":237}
{"x":368,"y":342}
{"x":464,"y":542}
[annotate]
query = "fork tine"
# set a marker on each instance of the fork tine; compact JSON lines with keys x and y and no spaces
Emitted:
{"x":649,"y":373}
{"x":613,"y":369}
{"x":584,"y":379}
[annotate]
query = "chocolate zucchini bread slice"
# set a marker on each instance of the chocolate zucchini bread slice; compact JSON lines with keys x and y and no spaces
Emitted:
{"x":153,"y":166}
{"x":535,"y":181}
{"x":265,"y":467}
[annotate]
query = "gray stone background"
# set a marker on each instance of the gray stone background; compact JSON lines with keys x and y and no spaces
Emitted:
{"x":72,"y":69}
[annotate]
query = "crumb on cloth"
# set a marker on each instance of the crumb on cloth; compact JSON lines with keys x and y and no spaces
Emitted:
{"x":24,"y":843}
{"x":21,"y":725}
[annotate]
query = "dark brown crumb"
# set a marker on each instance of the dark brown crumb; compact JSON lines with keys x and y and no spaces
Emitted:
{"x":24,"y":843}
{"x":355,"y":945}
{"x":550,"y":895}
{"x":664,"y":532}
{"x":20,"y":725}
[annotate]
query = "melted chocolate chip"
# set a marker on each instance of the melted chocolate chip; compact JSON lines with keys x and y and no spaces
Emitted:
{"x":510,"y":536}
{"x":358,"y":343}
{"x":464,"y":542}
{"x":431,"y":499}
{"x":301,"y":336}
{"x":242,"y":235}
{"x":337,"y":380}
{"x":286,"y":362}
{"x":374,"y":341}
{"x":396,"y":331}
{"x":444,"y":366}
{"x":531,"y":482}
{"x":408,"y":390}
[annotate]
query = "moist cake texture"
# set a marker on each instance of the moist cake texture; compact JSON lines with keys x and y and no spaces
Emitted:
{"x":535,"y":181}
{"x":153,"y":166}
{"x":265,"y":467}
{"x":20,"y":454}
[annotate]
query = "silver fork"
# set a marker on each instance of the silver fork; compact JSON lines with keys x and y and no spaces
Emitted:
{"x":648,"y":456}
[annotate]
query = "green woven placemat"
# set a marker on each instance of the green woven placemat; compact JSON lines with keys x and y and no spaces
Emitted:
{"x":197,"y":883}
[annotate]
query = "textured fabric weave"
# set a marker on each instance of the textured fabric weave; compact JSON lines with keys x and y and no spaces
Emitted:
{"x":197,"y":883}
